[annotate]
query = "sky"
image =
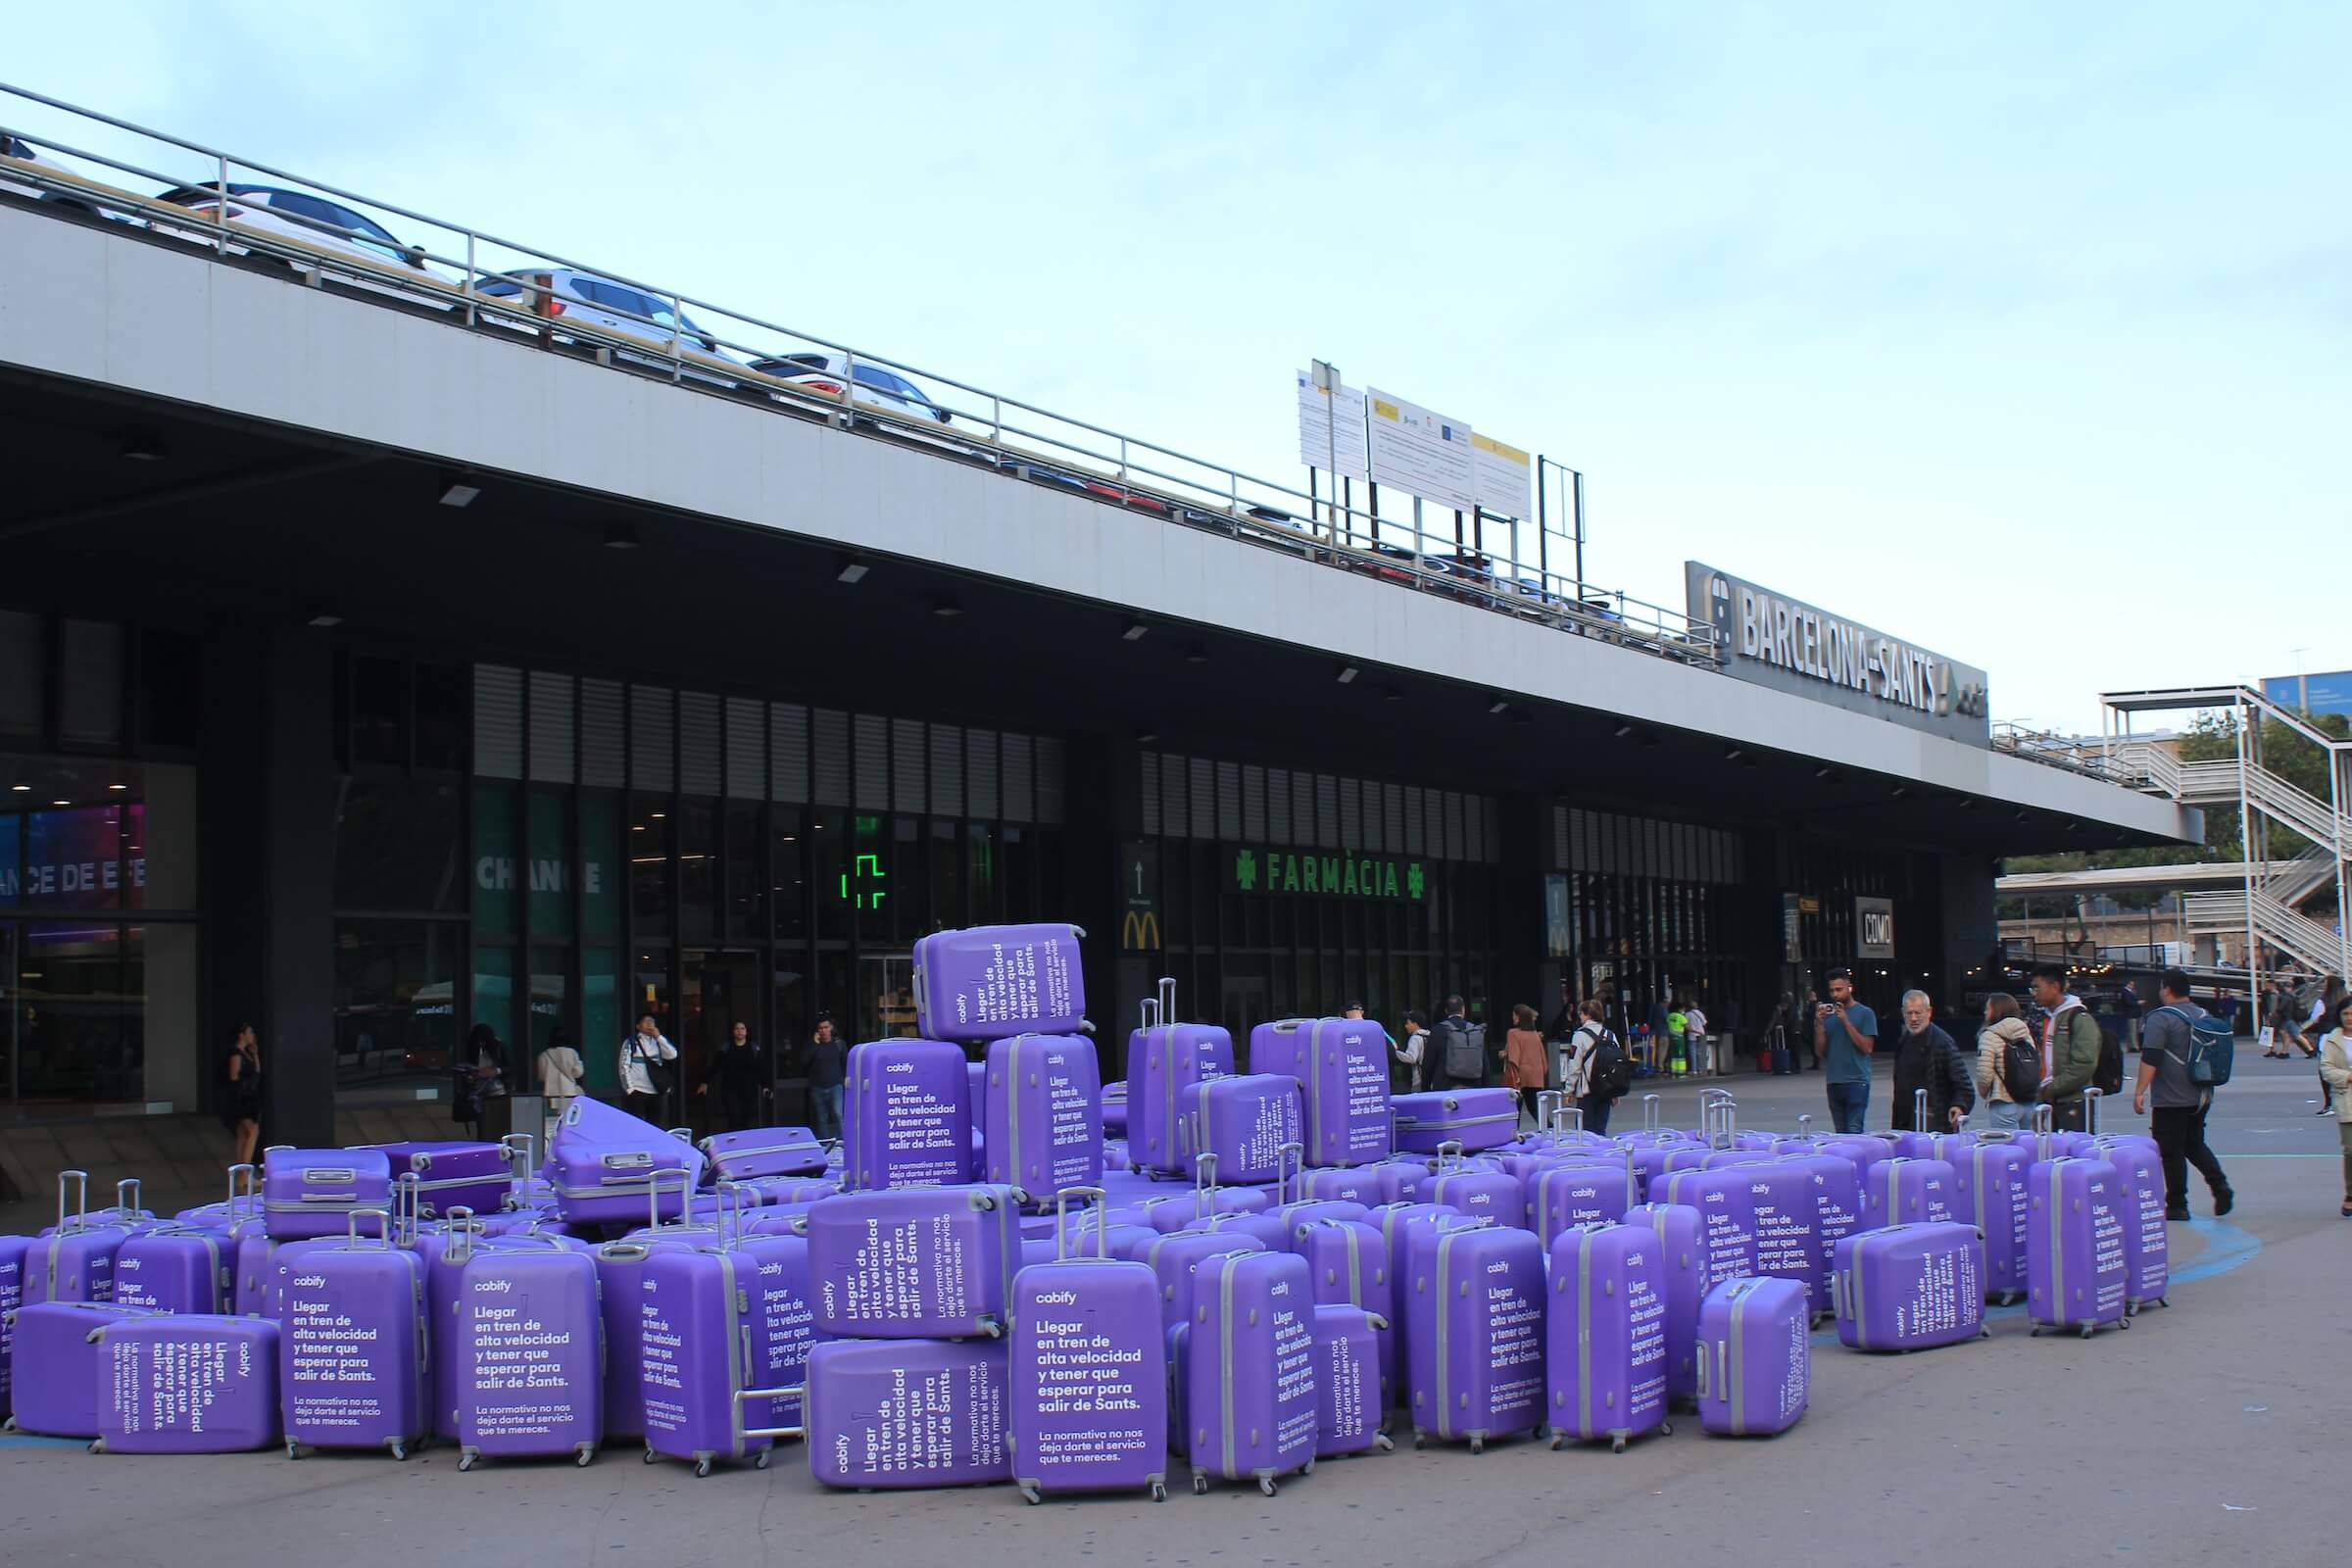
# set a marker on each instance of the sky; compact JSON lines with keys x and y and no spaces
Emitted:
{"x":2022,"y":332}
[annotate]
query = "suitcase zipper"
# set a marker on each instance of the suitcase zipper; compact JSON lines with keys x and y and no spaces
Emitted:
{"x":1584,"y":1334}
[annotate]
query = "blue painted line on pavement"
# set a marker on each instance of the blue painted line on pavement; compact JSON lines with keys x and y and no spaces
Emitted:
{"x":25,"y":1440}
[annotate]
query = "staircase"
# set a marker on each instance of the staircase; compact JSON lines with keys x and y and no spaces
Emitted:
{"x":2271,"y":905}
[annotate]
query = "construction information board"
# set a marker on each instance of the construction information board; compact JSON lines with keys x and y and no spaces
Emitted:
{"x":1420,"y":453}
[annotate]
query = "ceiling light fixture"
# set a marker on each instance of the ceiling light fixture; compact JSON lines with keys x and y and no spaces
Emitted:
{"x":60,"y":803}
{"x":118,"y":786}
{"x":1499,"y":705}
{"x":1196,"y":655}
{"x":1134,"y":631}
{"x":457,"y":491}
{"x":21,"y":788}
{"x":946,"y":609}
{"x":322,"y":616}
{"x":1902,"y":792}
{"x":621,"y":536}
{"x":1735,"y":754}
{"x":1822,"y":772}
{"x":1145,"y":735}
{"x":1348,"y":675}
{"x":852,"y":571}
{"x":1624,"y":728}
{"x":141,"y":444}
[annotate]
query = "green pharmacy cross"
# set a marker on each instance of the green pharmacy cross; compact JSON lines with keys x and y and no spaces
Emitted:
{"x":861,"y":885}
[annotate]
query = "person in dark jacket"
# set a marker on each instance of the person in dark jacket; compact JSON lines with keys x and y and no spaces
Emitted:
{"x":1925,"y":1058}
{"x":827,"y":1062}
{"x":742,"y":1073}
{"x":1452,"y":1025}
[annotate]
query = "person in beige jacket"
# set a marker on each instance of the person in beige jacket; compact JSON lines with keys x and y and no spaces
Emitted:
{"x":2335,"y":1066}
{"x":2004,"y":1026}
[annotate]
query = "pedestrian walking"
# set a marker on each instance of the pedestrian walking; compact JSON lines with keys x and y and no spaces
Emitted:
{"x":2070,"y":1042}
{"x":562,"y":1074}
{"x":1926,"y":1057}
{"x":1411,"y":1052}
{"x":2335,"y":1067}
{"x":1845,"y":1036}
{"x":741,"y":1072}
{"x":480,"y":1075}
{"x":1598,"y":1072}
{"x":1526,"y":1064}
{"x":648,"y":1069}
{"x":241,"y":1101}
{"x":1459,"y":1058}
{"x":2177,"y":1121}
{"x":2008,"y":1064}
{"x":828,"y":1064}
{"x":2323,"y":1014}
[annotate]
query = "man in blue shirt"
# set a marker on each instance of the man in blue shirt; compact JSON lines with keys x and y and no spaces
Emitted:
{"x":1845,"y":1036}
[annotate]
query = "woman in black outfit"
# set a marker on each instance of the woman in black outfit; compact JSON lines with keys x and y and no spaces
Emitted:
{"x":481,"y":1072}
{"x":241,"y":1104}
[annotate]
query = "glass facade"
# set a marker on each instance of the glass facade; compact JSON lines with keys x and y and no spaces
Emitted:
{"x":1639,"y":910}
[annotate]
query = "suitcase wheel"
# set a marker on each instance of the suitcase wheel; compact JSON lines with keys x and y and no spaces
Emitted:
{"x":650,"y":1456}
{"x":1199,"y":1485}
{"x":1559,"y":1439}
{"x":2089,"y":1331}
{"x":293,"y":1449}
{"x":1665,"y":1429}
{"x":1160,"y":1492}
{"x":1420,"y":1440}
{"x":1031,"y":1496}
{"x":758,"y":1460}
{"x":587,"y":1455}
{"x":464,"y":1463}
{"x":1381,"y":1442}
{"x":1478,"y":1444}
{"x":97,"y":1445}
{"x":1265,"y":1483}
{"x":2123,"y":1323}
{"x":400,"y":1449}
{"x":702,"y":1468}
{"x":1616,"y":1445}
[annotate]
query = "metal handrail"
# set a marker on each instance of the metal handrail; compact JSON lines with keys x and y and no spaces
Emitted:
{"x":1237,"y":502}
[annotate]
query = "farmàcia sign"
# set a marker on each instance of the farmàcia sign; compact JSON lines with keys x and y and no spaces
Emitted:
{"x":1252,"y":870}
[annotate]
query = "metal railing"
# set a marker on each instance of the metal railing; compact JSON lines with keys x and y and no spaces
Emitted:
{"x":714,"y":351}
{"x":2051,"y":750}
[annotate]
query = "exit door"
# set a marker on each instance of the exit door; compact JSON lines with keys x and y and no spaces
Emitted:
{"x":719,"y":990}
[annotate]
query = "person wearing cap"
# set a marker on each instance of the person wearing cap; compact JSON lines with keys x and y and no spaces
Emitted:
{"x":1411,"y":1053}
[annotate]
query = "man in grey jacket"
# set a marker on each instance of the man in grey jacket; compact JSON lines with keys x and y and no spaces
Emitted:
{"x":2179,"y":1120}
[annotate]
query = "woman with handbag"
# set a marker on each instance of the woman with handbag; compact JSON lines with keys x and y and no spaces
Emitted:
{"x":1524,"y":1063}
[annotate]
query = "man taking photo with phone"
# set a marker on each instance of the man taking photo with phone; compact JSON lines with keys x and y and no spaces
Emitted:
{"x":1845,"y":1036}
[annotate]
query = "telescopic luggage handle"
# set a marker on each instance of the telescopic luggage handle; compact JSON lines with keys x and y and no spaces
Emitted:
{"x":1062,"y":1206}
{"x":1290,"y":1174}
{"x":1919,"y":1110}
{"x":523,"y":1154}
{"x":653,"y":1197}
{"x":79,"y":1181}
{"x":1649,"y":1114}
{"x":2091,"y":1111}
{"x":355,"y":1242}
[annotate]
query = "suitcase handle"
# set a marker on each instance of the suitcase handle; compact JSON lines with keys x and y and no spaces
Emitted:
{"x":733,"y":1199}
{"x":1062,"y":1205}
{"x":79,"y":1181}
{"x":350,"y":1225}
{"x":127,"y":1198}
{"x":653,"y":1194}
{"x":523,"y":1154}
{"x":2091,"y":1111}
{"x":251,"y":1195}
{"x":408,"y":1207}
{"x":1649,"y":1114}
{"x":1289,"y":1161}
{"x":790,"y":1390}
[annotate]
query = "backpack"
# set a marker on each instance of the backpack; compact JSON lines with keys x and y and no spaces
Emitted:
{"x":2108,"y":1076}
{"x":2212,"y":1048}
{"x":2021,"y":1069}
{"x":1466,"y":1053}
{"x":1610,"y":1071}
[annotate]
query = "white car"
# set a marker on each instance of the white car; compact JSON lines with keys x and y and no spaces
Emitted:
{"x":872,"y":386}
{"x":566,"y":294}
{"x":21,"y":151}
{"x":312,"y":221}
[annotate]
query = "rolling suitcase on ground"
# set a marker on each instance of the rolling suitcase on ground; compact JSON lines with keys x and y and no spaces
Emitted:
{"x":1246,"y":1123}
{"x":1561,"y":1196}
{"x":1368,"y":1185}
{"x":1474,"y":1342}
{"x":1348,"y":1266}
{"x":1681,"y":1284}
{"x":1175,"y":1264}
{"x":908,"y":1412}
{"x":12,"y":1296}
{"x":474,"y":1176}
{"x":1605,"y":1335}
{"x":764,"y":1153}
{"x":530,"y":1356}
{"x":1993,"y":1171}
{"x":1349,"y":1399}
{"x":1910,"y":1287}
{"x":1755,"y":1357}
{"x":1088,"y":1372}
{"x":907,"y":1115}
{"x":1341,"y":1065}
{"x":1475,"y":1118}
{"x":1164,"y":1058}
{"x":352,"y":1346}
{"x":58,"y":1368}
{"x":179,"y":1269}
{"x":1249,"y":1405}
{"x":444,"y":1254}
{"x":2147,"y":1248}
{"x":1041,"y":1114}
{"x":74,"y":1260}
{"x":1114,"y":1108}
{"x":1785,"y":1197}
{"x":1727,"y":1230}
{"x":620,"y":1286}
{"x":703,"y":1341}
{"x":311,"y":1193}
{"x":1837,"y":1210}
{"x":2075,"y":1277}
{"x":994,"y":981}
{"x":1904,"y":1191}
{"x":606,"y":1168}
{"x":927,"y":1262}
{"x":1488,"y":1195}
{"x":188,"y":1383}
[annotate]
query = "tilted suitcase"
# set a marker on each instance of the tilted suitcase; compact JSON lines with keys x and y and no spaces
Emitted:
{"x":1164,"y":1058}
{"x":763,"y":1152}
{"x":1474,"y":1342}
{"x":1475,"y":1118}
{"x":59,"y":1372}
{"x":1561,"y":1196}
{"x":1488,"y":1195}
{"x":352,"y":1344}
{"x":308,"y":1194}
{"x":1993,"y":1172}
{"x":1041,"y":1114}
{"x":1175,"y":1263}
{"x":1250,"y":1406}
{"x":179,"y":1269}
{"x":2075,"y":1277}
{"x":1350,"y":1403}
{"x":1904,"y":1191}
{"x":74,"y":1260}
{"x":907,"y":1115}
{"x":1088,"y":1372}
{"x":1269,"y":1229}
{"x":1682,"y":1284}
{"x":530,"y":1347}
{"x":1726,"y":1233}
{"x":1114,"y":1154}
{"x":1348,"y":1266}
{"x":927,"y":1262}
{"x":1605,"y":1335}
{"x":1755,"y":1357}
{"x":188,"y":1383}
{"x":605,"y":1171}
{"x":2147,"y":1248}
{"x":1910,"y":1287}
{"x":1341,"y":1065}
{"x":1245,"y":1122}
{"x":476,"y":1176}
{"x":993,"y":981}
{"x":908,"y":1412}
{"x":702,"y":1344}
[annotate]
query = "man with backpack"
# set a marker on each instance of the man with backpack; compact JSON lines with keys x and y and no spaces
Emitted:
{"x":2182,"y":1055}
{"x":1462,"y":1050}
{"x":2074,"y":1051}
{"x":1597,"y":1072}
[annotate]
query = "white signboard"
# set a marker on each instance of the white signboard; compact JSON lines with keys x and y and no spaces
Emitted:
{"x":1420,"y":453}
{"x":1320,"y":447}
{"x":1500,"y":476}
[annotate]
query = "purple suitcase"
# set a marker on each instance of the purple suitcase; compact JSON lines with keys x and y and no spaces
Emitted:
{"x":1755,"y":1357}
{"x":1396,"y":1222}
{"x":1682,"y":1284}
{"x":1836,"y":1197}
{"x":620,"y":1283}
{"x":12,"y":1296}
{"x":703,"y":1346}
{"x":1041,"y":1114}
{"x":1993,"y":1172}
{"x":1350,"y":1400}
{"x":530,"y":1346}
{"x":1266,"y":1228}
{"x":1164,"y":1058}
{"x":928,"y":1262}
{"x":908,"y":1413}
{"x":993,"y":981}
{"x":308,"y":1194}
{"x":1175,"y":1263}
{"x":1785,"y":1196}
{"x":1178,"y":1210}
{"x":1295,"y":1217}
{"x":907,"y":1115}
{"x":1474,"y":1338}
{"x":1114,"y":1109}
{"x":73,"y":1261}
{"x":2147,"y":1247}
{"x":2075,"y":1276}
{"x":244,"y":1198}
{"x":1348,"y":1266}
{"x":1910,"y":1287}
{"x":762,"y":1153}
{"x":607,"y":1167}
{"x":456,"y":1175}
{"x":1605,"y":1335}
{"x":1561,"y":1196}
{"x":1088,"y":1372}
{"x":1246,"y":1122}
{"x":444,"y":1255}
{"x":60,"y":1380}
{"x":1727,"y":1229}
{"x":1250,"y":1401}
{"x":182,"y":1268}
{"x":352,"y":1346}
{"x":189,"y":1383}
{"x":1488,"y":1195}
{"x":1368,"y":1185}
{"x":1341,"y":1065}
{"x":1904,"y":1191}
{"x":1114,"y":1154}
{"x":1475,"y":1118}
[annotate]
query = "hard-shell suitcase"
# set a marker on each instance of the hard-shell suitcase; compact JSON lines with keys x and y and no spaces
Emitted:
{"x":352,"y":1344}
{"x":907,"y":1115}
{"x":1342,"y":1065}
{"x":1114,"y":1109}
{"x":1908,"y":1192}
{"x":908,"y":1412}
{"x":1605,"y":1335}
{"x":1251,"y":1404}
{"x":1088,"y":1372}
{"x":444,"y":1251}
{"x":926,"y":1262}
{"x":529,"y":1344}
{"x":12,"y":1296}
{"x":1561,"y":1196}
{"x":1475,"y":1118}
{"x":620,"y":1284}
{"x":1164,"y":1058}
{"x":1837,"y":1189}
{"x":474,"y":1176}
{"x":74,"y":1259}
{"x":607,"y":1167}
{"x":1041,"y":1114}
{"x":993,"y":981}
{"x":1177,"y":1210}
{"x":1350,"y":1405}
{"x":1348,"y":1266}
{"x":2075,"y":1276}
{"x":1785,"y":1197}
{"x":60,"y":1382}
{"x":1488,"y":1195}
{"x":1993,"y":1172}
{"x":1474,"y":1342}
{"x":188,"y":1383}
{"x":2148,"y":1252}
{"x":1369,"y":1185}
{"x":1175,"y":1263}
{"x":313,"y":1193}
{"x":1755,"y":1357}
{"x":764,"y":1152}
{"x":180,"y":1268}
{"x":1682,"y":1277}
{"x":1726,"y":1233}
{"x":1395,"y":1222}
{"x":703,"y":1343}
{"x":1246,"y":1122}
{"x":1910,"y":1287}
